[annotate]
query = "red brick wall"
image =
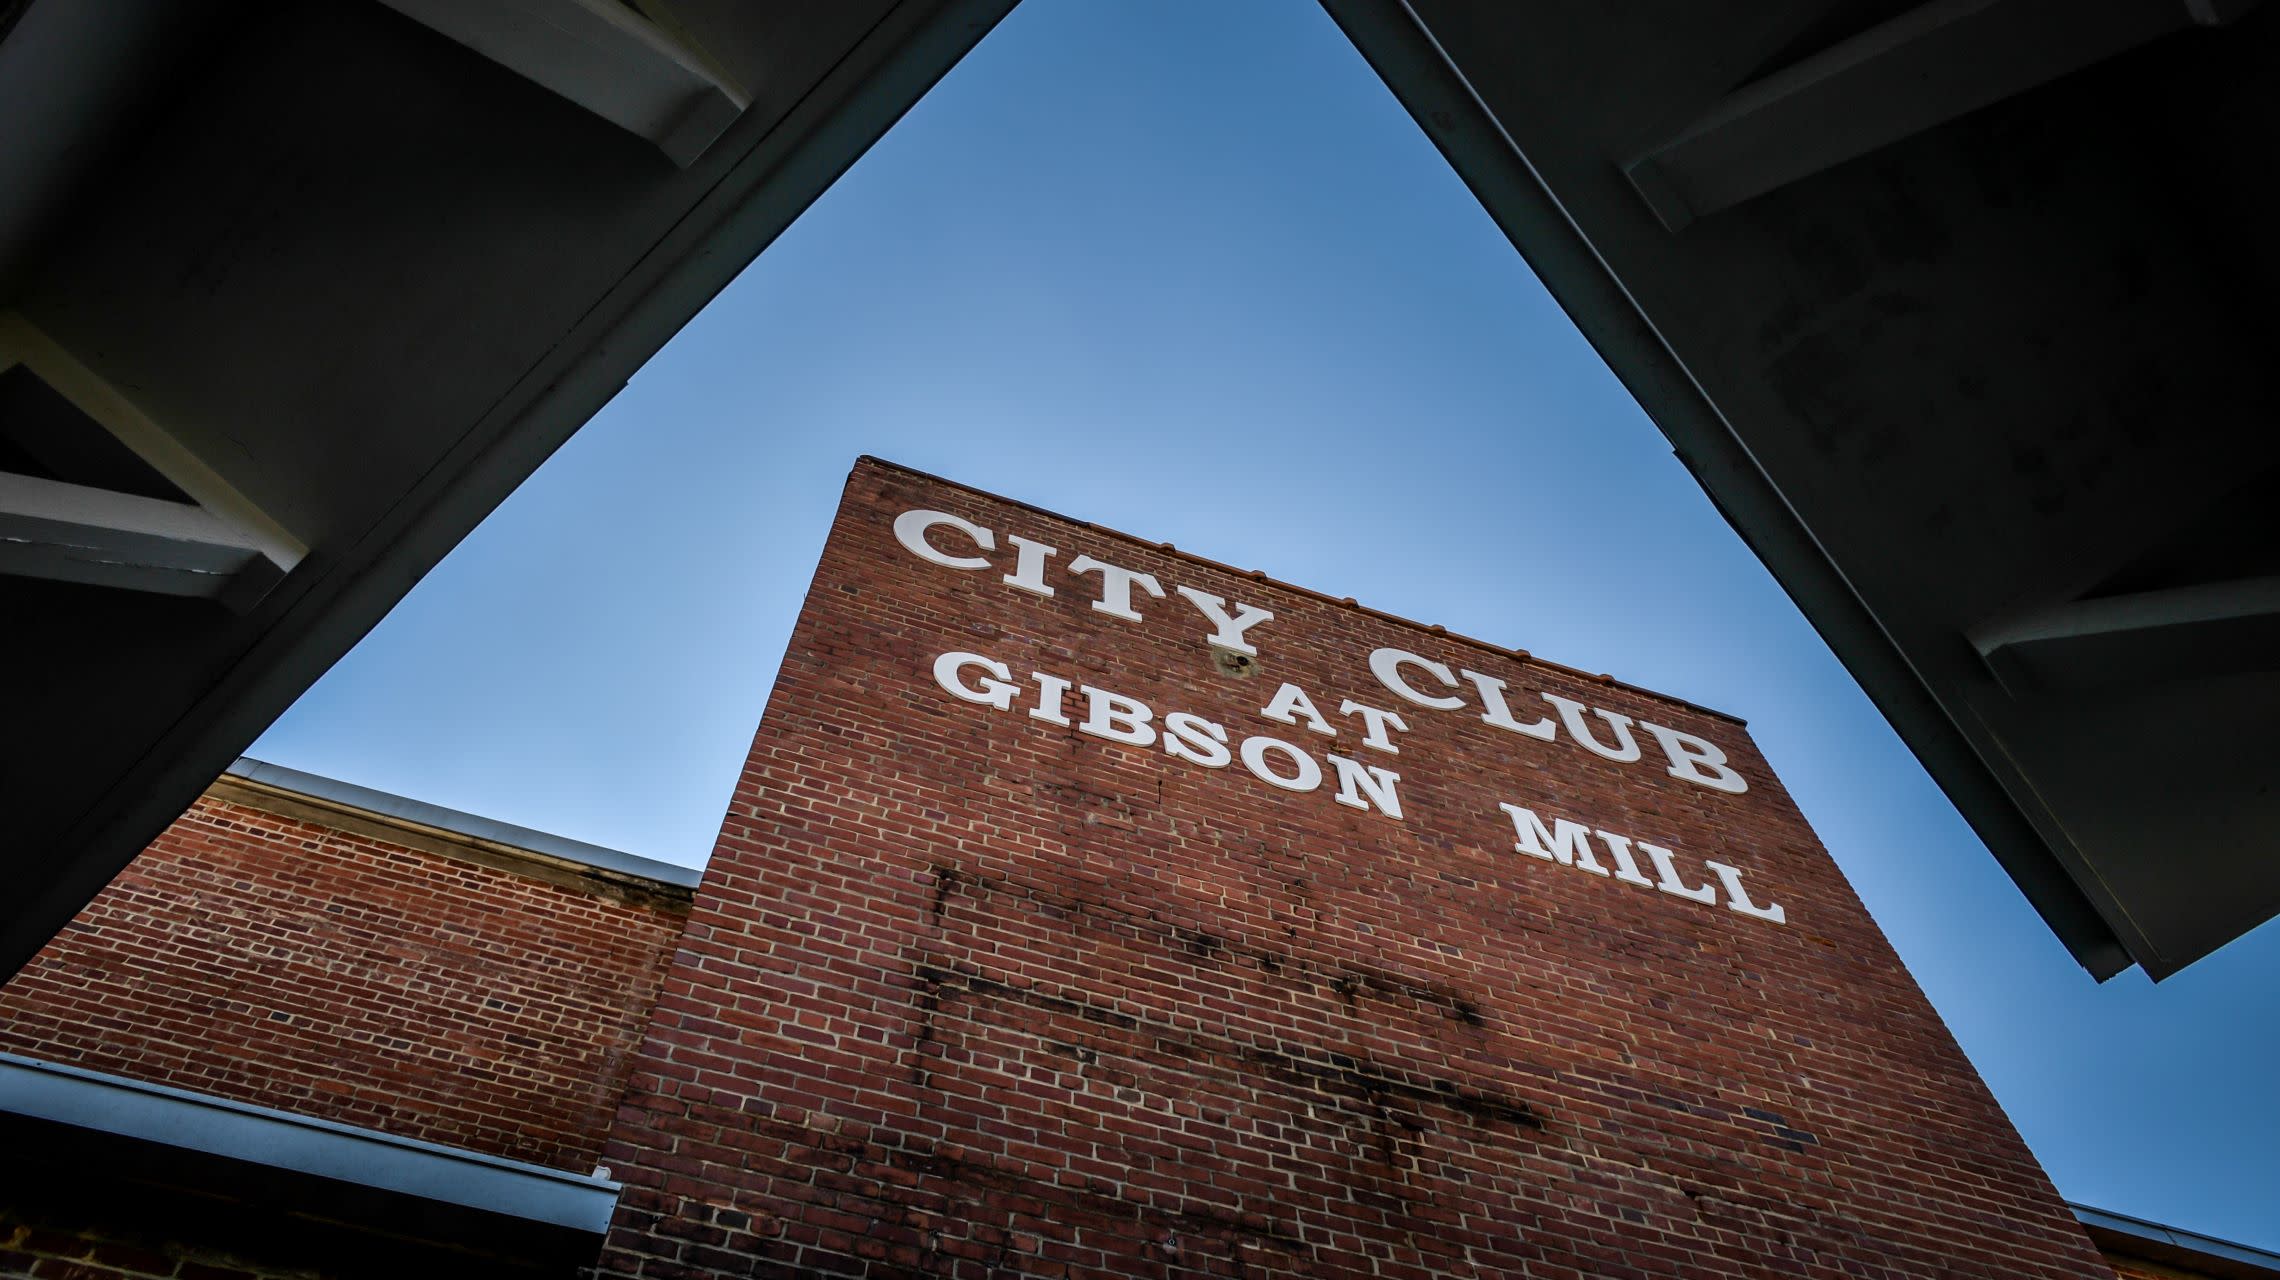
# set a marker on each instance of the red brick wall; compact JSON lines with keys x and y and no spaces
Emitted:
{"x":289,"y":964}
{"x":967,"y":993}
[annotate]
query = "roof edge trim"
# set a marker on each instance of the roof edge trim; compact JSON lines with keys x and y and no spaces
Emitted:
{"x":302,"y":1144}
{"x":2169,"y":1242}
{"x":418,"y":815}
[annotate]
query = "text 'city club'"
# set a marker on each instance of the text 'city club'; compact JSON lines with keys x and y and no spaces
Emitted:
{"x":981,"y":679}
{"x":1401,"y":672}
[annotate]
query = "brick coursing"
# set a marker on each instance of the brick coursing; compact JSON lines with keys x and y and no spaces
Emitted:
{"x":290,"y":964}
{"x":966,"y":993}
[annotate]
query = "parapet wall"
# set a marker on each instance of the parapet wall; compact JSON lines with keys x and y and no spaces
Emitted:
{"x":290,"y":951}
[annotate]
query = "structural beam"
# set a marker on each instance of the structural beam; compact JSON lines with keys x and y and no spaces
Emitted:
{"x":602,"y":56}
{"x":1921,"y":69}
{"x":2217,"y":628}
{"x":224,"y":548}
{"x":73,"y":533}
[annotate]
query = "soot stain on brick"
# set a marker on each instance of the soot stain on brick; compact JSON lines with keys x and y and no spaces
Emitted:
{"x":1336,"y":1074}
{"x":1200,"y":943}
{"x":1344,"y":1074}
{"x":1349,"y":981}
{"x":927,"y":999}
{"x":922,"y":1158}
{"x":1781,"y":1133}
{"x":935,"y":977}
{"x":946,"y":882}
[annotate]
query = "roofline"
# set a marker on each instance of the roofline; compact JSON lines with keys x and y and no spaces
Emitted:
{"x":1345,"y":602}
{"x":2175,"y":1244}
{"x":401,"y":815}
{"x":301,"y":1144}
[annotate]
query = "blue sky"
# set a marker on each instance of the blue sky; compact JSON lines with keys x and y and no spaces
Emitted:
{"x":1188,"y":270}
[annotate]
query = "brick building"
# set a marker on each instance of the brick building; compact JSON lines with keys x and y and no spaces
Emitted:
{"x":1083,"y":908}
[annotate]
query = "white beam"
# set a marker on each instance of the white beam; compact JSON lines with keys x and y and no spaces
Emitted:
{"x":601,"y":56}
{"x":74,"y":533}
{"x":1929,"y":65}
{"x":22,"y":343}
{"x":2207,"y":629}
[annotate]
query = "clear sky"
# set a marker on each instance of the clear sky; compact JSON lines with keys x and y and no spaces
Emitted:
{"x":1188,"y":270}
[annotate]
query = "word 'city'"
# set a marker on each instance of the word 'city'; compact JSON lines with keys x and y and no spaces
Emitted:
{"x":978,"y":678}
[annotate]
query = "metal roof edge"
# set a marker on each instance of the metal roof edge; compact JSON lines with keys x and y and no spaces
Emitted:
{"x":472,"y":826}
{"x":2174,"y":1240}
{"x":302,"y":1144}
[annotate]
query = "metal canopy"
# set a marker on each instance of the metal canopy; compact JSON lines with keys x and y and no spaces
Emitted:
{"x":1955,"y":310}
{"x":345,"y":279}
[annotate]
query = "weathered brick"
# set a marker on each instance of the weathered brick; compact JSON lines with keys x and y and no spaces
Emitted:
{"x":971,"y":992}
{"x":283,"y":962}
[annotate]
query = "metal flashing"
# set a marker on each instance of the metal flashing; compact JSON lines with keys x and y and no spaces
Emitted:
{"x":472,"y":826}
{"x":300,"y":1144}
{"x":2174,"y":1246}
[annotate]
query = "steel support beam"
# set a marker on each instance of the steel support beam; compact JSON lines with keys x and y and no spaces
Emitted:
{"x":1921,"y":69}
{"x":602,"y":56}
{"x":73,"y":533}
{"x":2215,"y":628}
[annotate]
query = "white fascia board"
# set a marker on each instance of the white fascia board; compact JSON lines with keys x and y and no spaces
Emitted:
{"x":320,"y":1148}
{"x":75,"y":533}
{"x":22,"y":343}
{"x":601,"y":56}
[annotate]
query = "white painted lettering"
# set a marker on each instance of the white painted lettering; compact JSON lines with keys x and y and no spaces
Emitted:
{"x":1696,"y":761}
{"x":1374,"y":723}
{"x":1386,"y":665}
{"x":1567,"y":843}
{"x":1738,"y":899}
{"x":911,"y":528}
{"x":1669,"y":882}
{"x":1626,"y":867}
{"x":1227,"y":632}
{"x":1292,"y":706}
{"x":1307,"y":775}
{"x":1495,"y":712}
{"x":996,"y":692}
{"x":1191,"y":737}
{"x":1626,"y":747}
{"x":1029,"y":565}
{"x":1116,"y":586}
{"x":1117,"y":718}
{"x":1355,"y":778}
{"x":1049,"y":691}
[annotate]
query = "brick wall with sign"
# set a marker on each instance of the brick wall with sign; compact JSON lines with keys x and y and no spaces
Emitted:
{"x":987,"y":982}
{"x":294,"y":962}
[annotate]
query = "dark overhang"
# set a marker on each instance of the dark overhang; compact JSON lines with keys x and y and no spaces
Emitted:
{"x":292,"y":295}
{"x":1956,"y":312}
{"x":246,"y":1175}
